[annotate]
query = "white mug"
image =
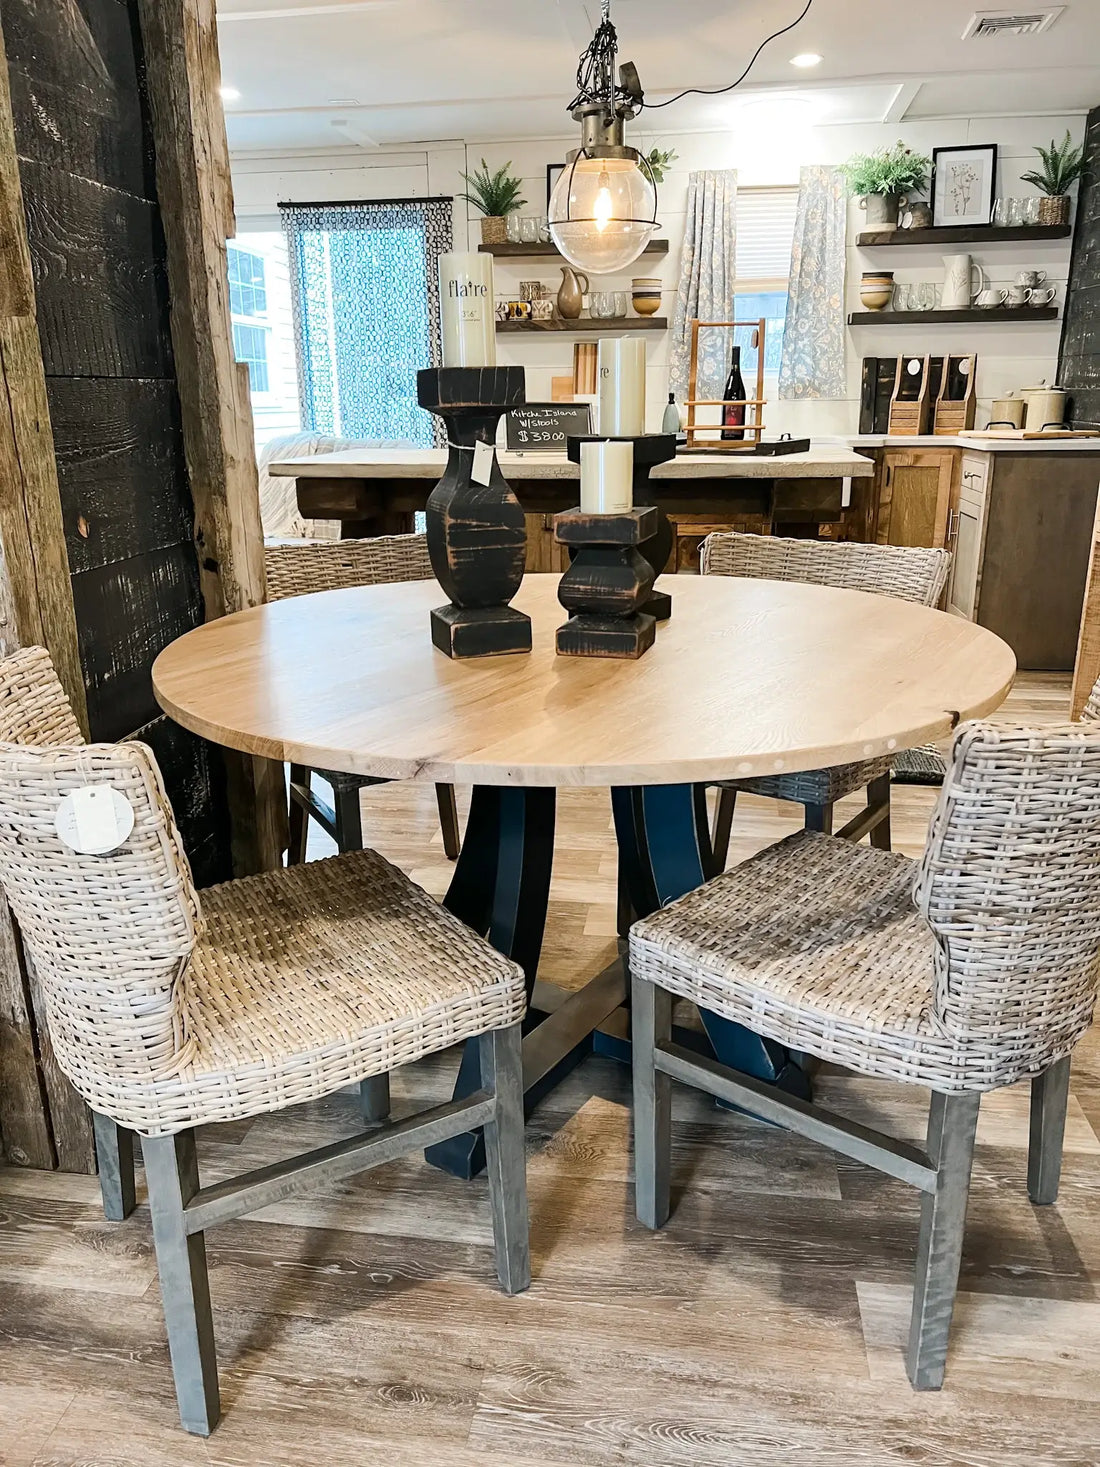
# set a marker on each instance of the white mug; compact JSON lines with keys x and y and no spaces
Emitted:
{"x":1044,"y":297}
{"x":1018,"y":295}
{"x":991,"y":297}
{"x":1031,"y":277}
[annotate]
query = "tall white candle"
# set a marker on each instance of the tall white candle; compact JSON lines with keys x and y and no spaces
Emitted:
{"x":467,"y":310}
{"x":607,"y":477}
{"x":622,"y":386}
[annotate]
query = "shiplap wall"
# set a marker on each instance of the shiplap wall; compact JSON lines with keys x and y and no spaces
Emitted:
{"x":764,"y":152}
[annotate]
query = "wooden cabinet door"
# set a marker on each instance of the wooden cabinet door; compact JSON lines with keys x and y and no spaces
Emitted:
{"x":962,"y":598}
{"x":915,"y":491}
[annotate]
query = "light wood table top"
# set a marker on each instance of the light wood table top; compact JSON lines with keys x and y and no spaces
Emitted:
{"x":428,"y":463}
{"x":748,"y":678}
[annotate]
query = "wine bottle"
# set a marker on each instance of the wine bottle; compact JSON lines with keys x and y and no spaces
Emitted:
{"x":733,"y":414}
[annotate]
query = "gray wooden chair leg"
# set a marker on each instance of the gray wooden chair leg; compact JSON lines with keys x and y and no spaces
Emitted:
{"x":1049,"y":1100}
{"x":374,"y":1097}
{"x":952,"y":1123}
{"x":723,"y":825}
{"x":819,"y":817}
{"x":299,"y":818}
{"x":878,"y":794}
{"x":651,"y":1021}
{"x":172,"y":1175}
{"x":448,"y":820}
{"x":114,"y":1149}
{"x":505,"y":1164}
{"x":349,"y":820}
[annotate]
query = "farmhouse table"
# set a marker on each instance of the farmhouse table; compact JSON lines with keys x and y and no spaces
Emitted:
{"x":748,"y":678}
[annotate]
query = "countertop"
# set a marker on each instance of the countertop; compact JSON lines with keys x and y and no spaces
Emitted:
{"x":975,"y":445}
{"x":825,"y":461}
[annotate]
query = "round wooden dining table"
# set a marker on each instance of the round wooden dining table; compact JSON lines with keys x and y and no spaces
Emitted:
{"x":747,"y":678}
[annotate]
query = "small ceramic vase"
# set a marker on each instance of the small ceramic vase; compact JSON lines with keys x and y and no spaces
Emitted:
{"x":571,"y":294}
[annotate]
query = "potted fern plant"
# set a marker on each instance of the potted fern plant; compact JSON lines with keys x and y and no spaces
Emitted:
{"x":496,"y":195}
{"x":883,"y":179}
{"x":1063,"y":165}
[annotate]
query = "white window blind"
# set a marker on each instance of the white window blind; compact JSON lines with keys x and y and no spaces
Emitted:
{"x":765,"y":229}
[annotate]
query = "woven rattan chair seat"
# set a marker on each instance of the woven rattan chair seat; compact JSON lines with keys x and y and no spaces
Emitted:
{"x":314,"y":977}
{"x":923,"y":765}
{"x":815,"y":786}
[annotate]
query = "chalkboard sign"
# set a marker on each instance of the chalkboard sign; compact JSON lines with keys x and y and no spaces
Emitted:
{"x":543,"y":427}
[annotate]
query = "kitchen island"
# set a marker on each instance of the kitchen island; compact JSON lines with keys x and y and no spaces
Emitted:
{"x":378,"y":491}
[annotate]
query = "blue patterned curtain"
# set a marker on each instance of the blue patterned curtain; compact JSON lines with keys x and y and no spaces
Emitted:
{"x":365,"y":283}
{"x":708,"y":276}
{"x":813,"y":343}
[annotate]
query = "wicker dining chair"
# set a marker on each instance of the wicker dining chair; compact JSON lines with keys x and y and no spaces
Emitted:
{"x":167,"y":1014}
{"x":333,"y":565}
{"x":970,"y":970}
{"x":909,"y":573}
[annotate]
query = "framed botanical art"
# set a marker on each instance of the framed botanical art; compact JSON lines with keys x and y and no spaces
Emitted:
{"x":964,"y":182}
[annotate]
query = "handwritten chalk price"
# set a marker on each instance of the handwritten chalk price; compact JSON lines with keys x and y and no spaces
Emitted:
{"x":94,"y":819}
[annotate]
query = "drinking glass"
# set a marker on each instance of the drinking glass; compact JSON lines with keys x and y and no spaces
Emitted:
{"x":1002,"y":212}
{"x":901,"y":300}
{"x":511,"y":224}
{"x":1029,"y":210}
{"x":601,"y":305}
{"x":926,"y":296}
{"x":544,"y":230}
{"x":529,"y":229}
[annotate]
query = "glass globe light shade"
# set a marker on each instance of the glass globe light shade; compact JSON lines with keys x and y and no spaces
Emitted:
{"x":601,"y":214}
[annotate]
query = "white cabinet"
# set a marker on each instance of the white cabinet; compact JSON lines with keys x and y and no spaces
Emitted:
{"x":965,"y":536}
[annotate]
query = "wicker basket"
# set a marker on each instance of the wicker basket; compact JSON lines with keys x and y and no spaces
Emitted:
{"x":1054,"y":209}
{"x":494,"y":229}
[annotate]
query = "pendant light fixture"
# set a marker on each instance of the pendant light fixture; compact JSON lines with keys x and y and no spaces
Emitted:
{"x":603,"y":210}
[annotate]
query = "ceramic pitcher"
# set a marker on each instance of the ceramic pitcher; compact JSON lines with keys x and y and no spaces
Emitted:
{"x":574,"y":287}
{"x":959,"y":289}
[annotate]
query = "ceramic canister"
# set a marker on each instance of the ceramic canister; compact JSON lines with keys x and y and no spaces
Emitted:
{"x":1045,"y":406}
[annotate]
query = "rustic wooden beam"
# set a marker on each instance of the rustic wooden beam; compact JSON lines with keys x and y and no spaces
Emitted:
{"x":196,"y":205}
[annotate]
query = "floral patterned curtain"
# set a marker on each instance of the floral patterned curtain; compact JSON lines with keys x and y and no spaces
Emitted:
{"x":813,"y":342}
{"x":365,"y":284}
{"x":708,"y":275}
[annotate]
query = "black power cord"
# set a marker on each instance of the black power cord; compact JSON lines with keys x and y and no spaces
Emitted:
{"x":717,"y":91}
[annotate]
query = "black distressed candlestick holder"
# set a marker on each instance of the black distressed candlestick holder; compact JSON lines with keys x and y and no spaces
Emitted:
{"x":608,"y":583}
{"x":477,"y":534}
{"x":650,"y":450}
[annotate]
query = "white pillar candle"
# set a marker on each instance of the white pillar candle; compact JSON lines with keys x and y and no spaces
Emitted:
{"x":607,"y":478}
{"x":467,"y":310}
{"x":622,"y":386}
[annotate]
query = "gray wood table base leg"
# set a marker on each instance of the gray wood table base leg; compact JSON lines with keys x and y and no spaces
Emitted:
{"x":723,"y":827}
{"x":1049,"y":1100}
{"x":448,"y":820}
{"x":878,"y":797}
{"x":505,"y":1164}
{"x":374,"y":1097}
{"x":114,"y":1149}
{"x":349,"y":820}
{"x":651,"y":1022}
{"x":172,"y":1175}
{"x":952,"y":1123}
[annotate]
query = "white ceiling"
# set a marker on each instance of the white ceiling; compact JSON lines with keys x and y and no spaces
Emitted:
{"x":324,"y":73}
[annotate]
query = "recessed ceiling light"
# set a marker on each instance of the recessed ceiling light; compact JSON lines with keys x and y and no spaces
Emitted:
{"x":230,"y":94}
{"x":806,"y":59}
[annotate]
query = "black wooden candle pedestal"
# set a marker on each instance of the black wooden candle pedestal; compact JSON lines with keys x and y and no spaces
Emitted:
{"x":650,"y":450}
{"x":477,"y":534}
{"x":608,"y":583}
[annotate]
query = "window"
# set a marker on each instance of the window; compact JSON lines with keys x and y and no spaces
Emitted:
{"x":366,"y":313}
{"x":250,"y":346}
{"x":263,"y":329}
{"x":765,"y":231}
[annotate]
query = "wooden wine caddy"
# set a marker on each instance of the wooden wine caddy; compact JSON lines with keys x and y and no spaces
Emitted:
{"x":754,"y":428}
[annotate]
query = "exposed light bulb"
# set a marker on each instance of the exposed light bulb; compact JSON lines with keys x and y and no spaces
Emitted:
{"x":603,"y":208}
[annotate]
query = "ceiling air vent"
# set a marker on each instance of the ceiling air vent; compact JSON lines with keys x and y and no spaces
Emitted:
{"x":1011,"y":22}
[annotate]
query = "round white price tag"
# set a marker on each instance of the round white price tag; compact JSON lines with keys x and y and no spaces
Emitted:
{"x":94,"y":820}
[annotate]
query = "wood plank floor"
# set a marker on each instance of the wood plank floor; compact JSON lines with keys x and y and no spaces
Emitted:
{"x":764,"y":1326}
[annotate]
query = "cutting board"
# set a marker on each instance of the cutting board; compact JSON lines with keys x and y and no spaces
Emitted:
{"x":1029,"y":433}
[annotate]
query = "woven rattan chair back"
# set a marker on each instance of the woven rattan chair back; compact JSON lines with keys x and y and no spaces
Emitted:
{"x":334,"y":565}
{"x":33,"y":705}
{"x":1010,"y":884}
{"x":109,"y":935}
{"x":910,"y":573}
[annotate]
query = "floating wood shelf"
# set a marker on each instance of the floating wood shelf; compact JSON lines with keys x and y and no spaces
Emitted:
{"x":547,"y":251}
{"x":1000,"y":314}
{"x":961,"y":234}
{"x":585,"y":323}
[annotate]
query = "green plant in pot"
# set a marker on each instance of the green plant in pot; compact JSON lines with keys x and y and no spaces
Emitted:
{"x":884,"y":179}
{"x":496,"y":195}
{"x":1063,"y":165}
